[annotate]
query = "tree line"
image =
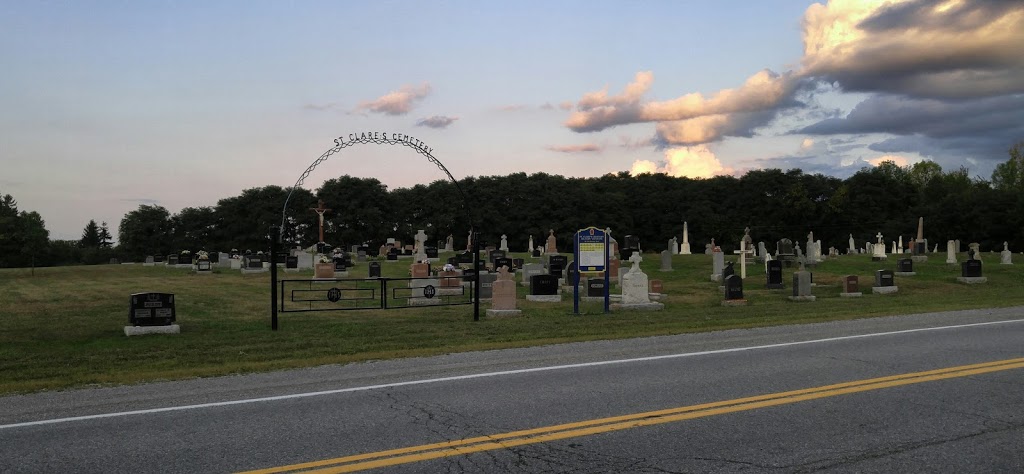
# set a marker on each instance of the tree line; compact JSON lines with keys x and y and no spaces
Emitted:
{"x":774,"y":204}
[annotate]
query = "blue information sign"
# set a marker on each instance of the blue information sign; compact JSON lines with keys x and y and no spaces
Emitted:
{"x":591,"y":249}
{"x":591,"y":257}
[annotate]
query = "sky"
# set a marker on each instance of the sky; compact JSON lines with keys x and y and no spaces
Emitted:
{"x":108,"y":105}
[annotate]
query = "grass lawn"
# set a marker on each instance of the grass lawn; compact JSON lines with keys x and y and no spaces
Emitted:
{"x":63,"y":327}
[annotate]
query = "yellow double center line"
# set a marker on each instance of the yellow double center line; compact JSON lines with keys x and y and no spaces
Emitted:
{"x":461,"y":447}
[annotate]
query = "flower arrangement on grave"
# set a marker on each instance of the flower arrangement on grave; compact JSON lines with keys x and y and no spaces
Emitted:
{"x":325,"y":259}
{"x":449,"y":267}
{"x":203,"y":255}
{"x":260,"y":252}
{"x":185,"y":252}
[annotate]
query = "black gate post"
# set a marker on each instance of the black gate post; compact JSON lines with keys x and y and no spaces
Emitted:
{"x":275,"y":236}
{"x":476,"y":276}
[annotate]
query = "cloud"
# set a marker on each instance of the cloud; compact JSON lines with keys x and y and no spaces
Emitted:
{"x":584,"y":148}
{"x":398,"y":102}
{"x":920,"y":48}
{"x":943,"y":79}
{"x":930,"y":117}
{"x":711,"y":128}
{"x":897,"y":159}
{"x":643,"y":166}
{"x":322,"y":107}
{"x":634,"y":143}
{"x":690,"y":162}
{"x":828,"y":165}
{"x":146,"y":201}
{"x":512,"y":108}
{"x":597,"y":111}
{"x":437,"y":121}
{"x":948,"y":131}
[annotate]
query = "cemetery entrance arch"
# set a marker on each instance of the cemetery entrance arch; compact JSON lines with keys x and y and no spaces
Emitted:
{"x":375,"y":293}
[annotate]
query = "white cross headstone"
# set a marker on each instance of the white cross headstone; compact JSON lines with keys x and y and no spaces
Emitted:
{"x":635,"y":259}
{"x":743,"y":252}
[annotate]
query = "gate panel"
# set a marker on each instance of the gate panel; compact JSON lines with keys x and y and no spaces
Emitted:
{"x":372,"y":293}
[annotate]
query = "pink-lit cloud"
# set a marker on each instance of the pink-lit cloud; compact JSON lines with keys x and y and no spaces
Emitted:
{"x":398,"y":102}
{"x":690,"y":162}
{"x":597,"y":110}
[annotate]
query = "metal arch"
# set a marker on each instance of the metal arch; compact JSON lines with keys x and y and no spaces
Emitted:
{"x":365,"y":140}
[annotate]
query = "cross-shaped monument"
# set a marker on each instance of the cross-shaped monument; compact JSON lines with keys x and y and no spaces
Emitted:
{"x":320,"y":210}
{"x":635,"y":259}
{"x":743,"y":252}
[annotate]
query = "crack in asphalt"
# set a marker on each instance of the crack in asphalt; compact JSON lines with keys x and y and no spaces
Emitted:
{"x":898,"y":449}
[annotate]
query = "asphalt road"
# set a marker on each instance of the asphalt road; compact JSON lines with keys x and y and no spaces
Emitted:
{"x":875,"y":395}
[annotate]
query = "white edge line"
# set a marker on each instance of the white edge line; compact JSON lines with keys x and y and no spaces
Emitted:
{"x":487,"y":374}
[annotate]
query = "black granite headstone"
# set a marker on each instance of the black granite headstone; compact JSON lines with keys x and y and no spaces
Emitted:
{"x":430,"y":251}
{"x":733,"y":287}
{"x":517,"y":263}
{"x":595,"y":287}
{"x":151,"y":309}
{"x":884,"y":278}
{"x":774,"y":275}
{"x":570,"y":273}
{"x":543,"y":285}
{"x":905,"y":265}
{"x":465,"y":257}
{"x":560,"y":260}
{"x":728,"y":271}
{"x":503,"y":262}
{"x":555,"y":270}
{"x":971,"y":269}
{"x":374,"y":269}
{"x":494,"y":255}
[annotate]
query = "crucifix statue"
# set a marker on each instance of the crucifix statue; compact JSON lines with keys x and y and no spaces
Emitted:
{"x":320,"y":210}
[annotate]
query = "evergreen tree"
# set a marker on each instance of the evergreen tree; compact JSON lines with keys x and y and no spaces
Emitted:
{"x":104,"y":236}
{"x":90,"y":236}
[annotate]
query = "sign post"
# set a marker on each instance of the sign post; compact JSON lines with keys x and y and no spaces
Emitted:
{"x":591,"y":256}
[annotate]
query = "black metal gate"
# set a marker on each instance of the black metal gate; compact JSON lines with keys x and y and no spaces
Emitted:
{"x":342,"y":294}
{"x":371,"y":293}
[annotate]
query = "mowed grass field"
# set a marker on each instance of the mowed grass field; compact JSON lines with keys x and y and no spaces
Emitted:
{"x":63,"y":327}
